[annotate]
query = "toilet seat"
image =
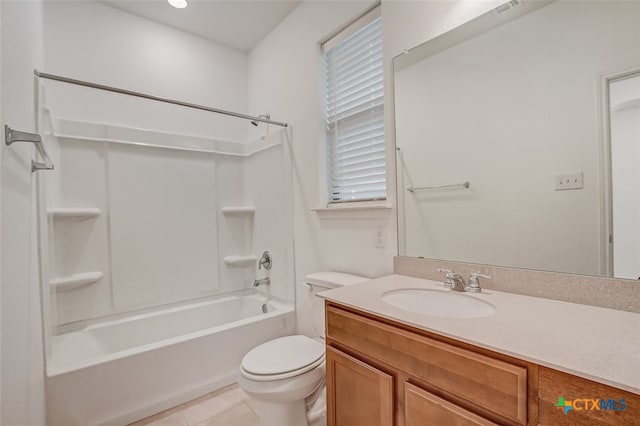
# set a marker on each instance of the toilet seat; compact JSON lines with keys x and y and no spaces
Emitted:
{"x":282,"y":358}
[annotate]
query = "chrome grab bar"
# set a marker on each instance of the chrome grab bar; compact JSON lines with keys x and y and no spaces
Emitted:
{"x":11,"y":136}
{"x":455,"y":185}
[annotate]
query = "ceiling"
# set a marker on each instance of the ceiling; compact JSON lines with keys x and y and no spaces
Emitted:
{"x":235,"y":23}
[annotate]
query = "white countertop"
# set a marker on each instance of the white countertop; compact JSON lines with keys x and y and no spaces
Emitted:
{"x":598,"y":344}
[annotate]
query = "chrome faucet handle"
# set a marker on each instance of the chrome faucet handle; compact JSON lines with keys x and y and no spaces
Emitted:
{"x":448,"y":277}
{"x":474,"y":284}
{"x":265,"y":261}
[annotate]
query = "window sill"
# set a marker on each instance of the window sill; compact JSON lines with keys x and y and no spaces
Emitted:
{"x":354,"y":210}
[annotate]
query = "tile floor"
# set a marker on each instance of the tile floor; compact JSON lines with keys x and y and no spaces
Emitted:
{"x":229,"y":406}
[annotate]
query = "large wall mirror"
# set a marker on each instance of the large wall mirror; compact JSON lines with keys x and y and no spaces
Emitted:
{"x":518,"y":139}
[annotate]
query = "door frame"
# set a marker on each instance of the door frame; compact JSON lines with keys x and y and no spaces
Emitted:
{"x":605,"y":167}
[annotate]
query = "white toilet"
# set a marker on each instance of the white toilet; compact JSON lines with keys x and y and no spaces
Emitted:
{"x":286,"y":376}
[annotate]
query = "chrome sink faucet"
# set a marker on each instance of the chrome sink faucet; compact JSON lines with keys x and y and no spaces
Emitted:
{"x":455,"y":281}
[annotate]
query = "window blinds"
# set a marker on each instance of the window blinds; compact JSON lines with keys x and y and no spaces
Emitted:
{"x":354,"y":107}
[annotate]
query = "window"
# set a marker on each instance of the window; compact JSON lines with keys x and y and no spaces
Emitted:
{"x":354,"y":111}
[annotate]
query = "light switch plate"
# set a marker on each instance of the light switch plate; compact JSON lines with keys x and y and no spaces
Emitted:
{"x":569,"y":181}
{"x":379,"y":241}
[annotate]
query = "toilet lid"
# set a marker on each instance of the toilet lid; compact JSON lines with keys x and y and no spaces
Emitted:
{"x":283,"y":355}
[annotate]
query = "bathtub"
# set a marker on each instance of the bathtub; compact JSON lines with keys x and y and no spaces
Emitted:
{"x":122,"y":370}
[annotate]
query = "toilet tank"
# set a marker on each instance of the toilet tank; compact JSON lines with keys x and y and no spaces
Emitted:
{"x":323,"y":281}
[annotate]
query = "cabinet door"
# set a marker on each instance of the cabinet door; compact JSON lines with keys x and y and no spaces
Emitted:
{"x":424,"y":408}
{"x":357,"y":393}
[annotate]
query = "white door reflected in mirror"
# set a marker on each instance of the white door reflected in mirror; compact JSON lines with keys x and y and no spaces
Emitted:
{"x":624,"y":116}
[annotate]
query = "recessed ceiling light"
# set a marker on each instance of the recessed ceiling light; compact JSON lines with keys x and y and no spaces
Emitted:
{"x":178,"y":4}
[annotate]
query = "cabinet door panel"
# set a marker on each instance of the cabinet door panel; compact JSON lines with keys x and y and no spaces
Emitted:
{"x":357,"y":394}
{"x":424,"y":408}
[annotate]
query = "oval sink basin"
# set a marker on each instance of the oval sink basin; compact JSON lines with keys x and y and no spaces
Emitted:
{"x":438,"y":303}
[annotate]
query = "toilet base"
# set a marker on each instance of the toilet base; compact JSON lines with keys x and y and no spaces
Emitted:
{"x":285,"y":402}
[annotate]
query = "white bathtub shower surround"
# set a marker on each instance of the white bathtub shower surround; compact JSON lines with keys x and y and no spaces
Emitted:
{"x":122,"y":370}
{"x":161,"y":232}
{"x":167,"y":319}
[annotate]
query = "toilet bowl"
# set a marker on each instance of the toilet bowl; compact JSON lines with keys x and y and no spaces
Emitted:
{"x":286,"y":376}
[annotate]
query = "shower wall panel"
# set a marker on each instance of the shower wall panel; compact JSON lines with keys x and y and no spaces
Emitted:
{"x":235,"y":233}
{"x":80,"y":245}
{"x":267,"y":178}
{"x":163,"y":211}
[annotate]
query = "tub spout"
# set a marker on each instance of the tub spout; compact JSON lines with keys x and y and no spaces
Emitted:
{"x":262,"y":281}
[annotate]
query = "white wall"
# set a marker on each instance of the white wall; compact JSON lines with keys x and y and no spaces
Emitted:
{"x":94,"y":42}
{"x":21,"y":351}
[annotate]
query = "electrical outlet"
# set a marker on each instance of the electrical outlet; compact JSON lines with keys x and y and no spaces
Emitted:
{"x":569,"y":181}
{"x":379,"y":242}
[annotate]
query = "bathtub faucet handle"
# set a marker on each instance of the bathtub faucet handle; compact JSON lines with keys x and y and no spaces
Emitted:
{"x":265,"y":261}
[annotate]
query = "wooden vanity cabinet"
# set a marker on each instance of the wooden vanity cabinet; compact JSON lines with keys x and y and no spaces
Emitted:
{"x":383,"y":373}
{"x":407,"y":374}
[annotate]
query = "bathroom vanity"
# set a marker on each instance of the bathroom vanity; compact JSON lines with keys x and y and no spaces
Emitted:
{"x":389,"y":366}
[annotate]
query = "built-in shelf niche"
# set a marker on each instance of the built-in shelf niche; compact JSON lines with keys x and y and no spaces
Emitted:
{"x":244,"y":215}
{"x":239,"y":211}
{"x":75,"y":281}
{"x":79,"y":213}
{"x":240,"y":260}
{"x":80,"y":279}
